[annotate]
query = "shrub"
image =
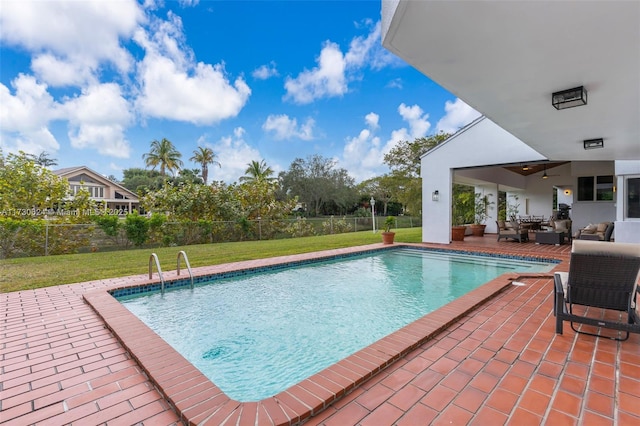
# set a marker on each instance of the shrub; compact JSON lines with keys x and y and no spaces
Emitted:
{"x":300,"y":228}
{"x":339,"y":226}
{"x":137,"y":229}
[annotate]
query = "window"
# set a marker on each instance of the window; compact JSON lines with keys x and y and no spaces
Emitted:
{"x":595,"y":188}
{"x":585,"y":188}
{"x":94,"y":191}
{"x":633,"y":197}
{"x":604,"y":188}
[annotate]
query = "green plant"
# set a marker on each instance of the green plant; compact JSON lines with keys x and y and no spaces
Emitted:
{"x":389,"y":222}
{"x":512,"y":209}
{"x":481,"y":207}
{"x":335,"y":226}
{"x":136,"y":228}
{"x":462,"y":207}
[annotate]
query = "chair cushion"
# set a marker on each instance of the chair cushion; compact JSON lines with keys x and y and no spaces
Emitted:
{"x":589,"y":229}
{"x":602,"y":226}
{"x":561,"y":225}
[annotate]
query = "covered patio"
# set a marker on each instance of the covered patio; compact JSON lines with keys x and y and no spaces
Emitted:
{"x":551,"y":88}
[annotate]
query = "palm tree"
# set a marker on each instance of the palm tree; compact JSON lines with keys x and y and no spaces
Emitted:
{"x":43,"y":159}
{"x":256,"y":172}
{"x":163,"y":154}
{"x":204,"y":157}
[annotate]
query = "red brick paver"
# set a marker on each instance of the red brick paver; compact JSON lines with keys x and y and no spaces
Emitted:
{"x":499,"y":363}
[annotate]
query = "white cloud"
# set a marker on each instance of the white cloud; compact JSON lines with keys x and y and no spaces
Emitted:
{"x":30,"y":108}
{"x":372,"y":120}
{"x":396,"y":83}
{"x":334,"y":70}
{"x":265,"y":72}
{"x":326,"y":80}
{"x":188,"y":3}
{"x":361,"y":47}
{"x":362,"y":155}
{"x":25,"y":116}
{"x":418,"y":121}
{"x":174,"y":87}
{"x":81,"y":34}
{"x":458,"y":114}
{"x":284,"y":127}
{"x":58,"y":72}
{"x":234,"y":153}
{"x":98,"y":119}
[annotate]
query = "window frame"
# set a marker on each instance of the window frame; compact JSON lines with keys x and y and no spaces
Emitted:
{"x":628,"y":204}
{"x":598,"y":188}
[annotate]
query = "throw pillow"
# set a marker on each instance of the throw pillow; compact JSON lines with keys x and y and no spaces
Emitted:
{"x":561,"y":226}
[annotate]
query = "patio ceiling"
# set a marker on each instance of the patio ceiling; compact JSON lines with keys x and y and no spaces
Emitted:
{"x":531,"y":169}
{"x":505,"y":59}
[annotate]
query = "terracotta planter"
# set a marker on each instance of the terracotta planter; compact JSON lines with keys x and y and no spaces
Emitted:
{"x":478,"y":230}
{"x":387,"y":237}
{"x":457,"y":233}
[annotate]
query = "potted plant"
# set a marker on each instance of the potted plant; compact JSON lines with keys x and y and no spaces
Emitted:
{"x":387,"y":235}
{"x":458,"y":229}
{"x":460,"y":212}
{"x":480,"y":213}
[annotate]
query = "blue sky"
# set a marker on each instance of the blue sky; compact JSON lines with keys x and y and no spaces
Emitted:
{"x":94,"y":82}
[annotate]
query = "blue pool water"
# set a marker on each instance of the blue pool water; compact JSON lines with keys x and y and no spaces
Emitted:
{"x":258,"y":334}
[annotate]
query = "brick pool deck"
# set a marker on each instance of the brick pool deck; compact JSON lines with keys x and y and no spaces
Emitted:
{"x":480,"y":362}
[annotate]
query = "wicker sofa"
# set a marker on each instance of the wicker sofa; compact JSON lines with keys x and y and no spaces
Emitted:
{"x":597,"y":232}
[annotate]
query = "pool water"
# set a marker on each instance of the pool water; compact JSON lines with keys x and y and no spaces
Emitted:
{"x":258,"y":334}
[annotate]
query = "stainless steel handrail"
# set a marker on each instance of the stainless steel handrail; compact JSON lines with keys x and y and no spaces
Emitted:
{"x":186,"y":261}
{"x":151,"y":259}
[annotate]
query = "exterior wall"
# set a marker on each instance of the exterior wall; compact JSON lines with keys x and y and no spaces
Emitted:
{"x":108,"y":201}
{"x":479,"y":144}
{"x":627,"y":230}
{"x":586,"y":212}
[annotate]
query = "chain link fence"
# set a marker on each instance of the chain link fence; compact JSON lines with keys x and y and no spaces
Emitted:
{"x":44,"y":239}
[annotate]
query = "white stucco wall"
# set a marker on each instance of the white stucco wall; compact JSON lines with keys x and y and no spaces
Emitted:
{"x":480,"y":143}
{"x":627,"y":230}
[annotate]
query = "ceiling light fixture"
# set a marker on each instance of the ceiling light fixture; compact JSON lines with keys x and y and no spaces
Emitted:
{"x":593,"y":143}
{"x":525,"y":168}
{"x":544,"y":175}
{"x":569,"y":98}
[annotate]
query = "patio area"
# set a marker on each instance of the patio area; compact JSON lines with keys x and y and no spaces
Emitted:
{"x":501,"y":363}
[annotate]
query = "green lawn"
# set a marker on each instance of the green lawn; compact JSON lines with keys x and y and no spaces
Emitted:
{"x":36,"y":272}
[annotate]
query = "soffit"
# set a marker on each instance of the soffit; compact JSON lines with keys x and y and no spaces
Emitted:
{"x":505,"y":59}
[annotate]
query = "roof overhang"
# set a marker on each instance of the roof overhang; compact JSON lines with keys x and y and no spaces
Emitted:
{"x":506,"y":58}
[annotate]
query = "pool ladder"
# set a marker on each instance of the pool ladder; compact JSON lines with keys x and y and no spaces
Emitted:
{"x":154,"y":258}
{"x":186,"y":261}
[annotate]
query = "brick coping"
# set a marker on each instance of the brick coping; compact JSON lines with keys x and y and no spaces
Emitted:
{"x":197,"y":400}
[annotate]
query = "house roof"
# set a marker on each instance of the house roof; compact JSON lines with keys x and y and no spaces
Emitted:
{"x":73,"y":171}
{"x":517,"y":157}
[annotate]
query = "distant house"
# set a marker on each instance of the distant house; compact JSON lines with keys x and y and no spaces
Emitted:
{"x":110,"y":196}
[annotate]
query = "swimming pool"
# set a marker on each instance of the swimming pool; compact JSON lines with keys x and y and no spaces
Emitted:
{"x":252,"y":351}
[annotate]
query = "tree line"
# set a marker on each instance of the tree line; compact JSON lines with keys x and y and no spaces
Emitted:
{"x":313,"y":186}
{"x":316,"y":183}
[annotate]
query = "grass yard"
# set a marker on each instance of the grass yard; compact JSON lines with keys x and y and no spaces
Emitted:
{"x":36,"y":272}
